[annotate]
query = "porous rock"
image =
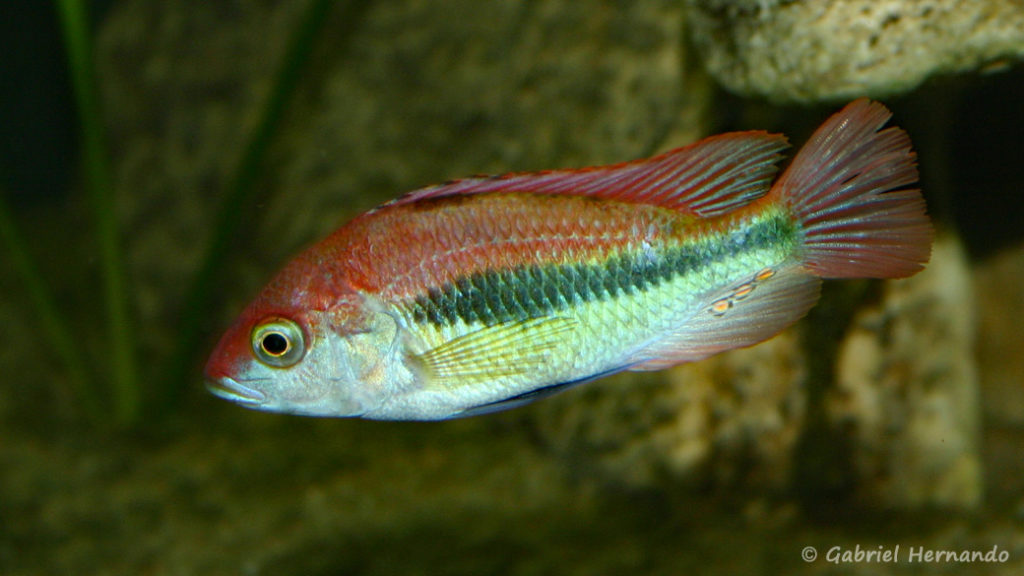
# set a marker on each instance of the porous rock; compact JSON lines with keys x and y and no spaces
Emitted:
{"x":997,"y":284}
{"x":809,"y":50}
{"x":907,"y":389}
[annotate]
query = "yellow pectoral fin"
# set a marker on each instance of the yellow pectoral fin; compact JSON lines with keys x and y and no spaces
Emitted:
{"x":500,"y":351}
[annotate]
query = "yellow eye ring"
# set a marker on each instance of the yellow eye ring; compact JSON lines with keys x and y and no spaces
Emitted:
{"x":278,"y":342}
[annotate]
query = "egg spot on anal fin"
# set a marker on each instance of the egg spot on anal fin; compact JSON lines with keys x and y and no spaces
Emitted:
{"x":741,"y":292}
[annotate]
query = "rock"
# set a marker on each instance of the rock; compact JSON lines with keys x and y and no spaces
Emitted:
{"x":907,"y":390}
{"x":997,"y":284}
{"x":809,"y":51}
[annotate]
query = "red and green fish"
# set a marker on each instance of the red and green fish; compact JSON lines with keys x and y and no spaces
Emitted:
{"x":485,"y":293}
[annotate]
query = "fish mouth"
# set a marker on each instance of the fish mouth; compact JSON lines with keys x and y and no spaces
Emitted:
{"x":230,"y":389}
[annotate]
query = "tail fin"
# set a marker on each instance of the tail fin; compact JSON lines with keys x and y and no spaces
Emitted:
{"x":847,"y":189}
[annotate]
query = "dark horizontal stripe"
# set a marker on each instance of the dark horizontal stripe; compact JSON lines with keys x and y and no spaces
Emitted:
{"x":496,"y":296}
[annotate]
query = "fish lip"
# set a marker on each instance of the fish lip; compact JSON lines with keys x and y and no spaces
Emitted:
{"x":230,"y":389}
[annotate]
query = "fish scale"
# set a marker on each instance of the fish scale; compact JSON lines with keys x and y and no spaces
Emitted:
{"x":616,"y":300}
{"x":485,"y":296}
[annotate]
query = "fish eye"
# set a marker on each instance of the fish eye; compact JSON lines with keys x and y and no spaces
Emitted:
{"x":278,"y":342}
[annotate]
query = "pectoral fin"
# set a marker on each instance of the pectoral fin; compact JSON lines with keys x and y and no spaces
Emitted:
{"x":499,"y":351}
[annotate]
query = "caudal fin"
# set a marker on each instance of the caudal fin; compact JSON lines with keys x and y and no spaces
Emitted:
{"x":848,"y":188}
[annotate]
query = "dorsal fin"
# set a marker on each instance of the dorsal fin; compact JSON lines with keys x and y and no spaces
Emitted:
{"x":706,"y":178}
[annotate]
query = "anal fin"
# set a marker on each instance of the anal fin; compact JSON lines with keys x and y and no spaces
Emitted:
{"x":742,"y":315}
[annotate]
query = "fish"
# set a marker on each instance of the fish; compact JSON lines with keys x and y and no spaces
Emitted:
{"x":489,"y":292}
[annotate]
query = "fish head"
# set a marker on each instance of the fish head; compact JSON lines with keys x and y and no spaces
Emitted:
{"x":332,"y":359}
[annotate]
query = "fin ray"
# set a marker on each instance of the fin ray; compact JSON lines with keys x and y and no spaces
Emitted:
{"x":503,"y":350}
{"x":706,"y":178}
{"x":847,"y":186}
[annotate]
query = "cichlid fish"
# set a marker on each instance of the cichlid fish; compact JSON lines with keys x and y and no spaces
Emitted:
{"x":485,"y":293}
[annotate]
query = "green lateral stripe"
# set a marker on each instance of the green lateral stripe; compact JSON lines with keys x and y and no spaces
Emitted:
{"x":496,"y":296}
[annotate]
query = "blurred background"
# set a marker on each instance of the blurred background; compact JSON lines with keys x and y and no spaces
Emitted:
{"x":160,"y":160}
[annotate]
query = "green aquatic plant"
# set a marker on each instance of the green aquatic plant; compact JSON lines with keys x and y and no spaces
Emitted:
{"x":119,"y":404}
{"x":74,"y":21}
{"x":53,"y":324}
